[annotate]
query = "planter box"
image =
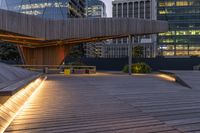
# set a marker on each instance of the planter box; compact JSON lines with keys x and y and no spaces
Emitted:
{"x":67,"y":71}
{"x":79,"y":71}
{"x":90,"y":71}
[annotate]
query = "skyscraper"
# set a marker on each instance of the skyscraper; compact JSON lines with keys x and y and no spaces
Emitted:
{"x":143,"y":9}
{"x":184,"y":22}
{"x":95,"y":9}
{"x":51,"y":9}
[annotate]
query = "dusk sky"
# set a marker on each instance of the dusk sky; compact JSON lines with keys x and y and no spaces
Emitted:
{"x":108,"y":7}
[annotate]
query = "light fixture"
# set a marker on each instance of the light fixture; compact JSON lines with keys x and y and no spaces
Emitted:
{"x":167,"y":77}
{"x":15,"y":104}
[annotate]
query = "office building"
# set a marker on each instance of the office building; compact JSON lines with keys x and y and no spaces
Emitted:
{"x":51,"y":9}
{"x":143,"y":9}
{"x":95,"y":9}
{"x":184,"y":22}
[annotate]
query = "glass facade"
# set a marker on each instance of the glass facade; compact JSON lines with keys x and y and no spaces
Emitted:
{"x":183,"y":16}
{"x":95,"y":9}
{"x":51,"y":9}
{"x":143,"y":9}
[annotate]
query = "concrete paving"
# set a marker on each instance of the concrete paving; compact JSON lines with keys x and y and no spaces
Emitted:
{"x":110,"y":104}
{"x":192,"y":78}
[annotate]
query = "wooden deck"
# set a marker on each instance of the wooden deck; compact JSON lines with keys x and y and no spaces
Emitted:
{"x":110,"y":104}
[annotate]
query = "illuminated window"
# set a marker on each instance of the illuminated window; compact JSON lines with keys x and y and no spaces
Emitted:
{"x":185,"y":32}
{"x":168,"y":53}
{"x":194,"y":47}
{"x":181,"y":47}
{"x":162,"y":4}
{"x":169,"y":33}
{"x":166,"y":40}
{"x":182,"y":53}
{"x":167,"y":47}
{"x":163,"y":12}
{"x":181,"y":32}
{"x":195,"y":53}
{"x":194,"y":50}
{"x":182,"y":3}
{"x":169,"y":3}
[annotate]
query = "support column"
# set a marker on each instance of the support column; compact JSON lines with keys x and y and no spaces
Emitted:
{"x":117,"y":10}
{"x":155,"y":48}
{"x":138,"y":9}
{"x":21,"y":54}
{"x":175,"y":50}
{"x":130,"y":54}
{"x":122,"y":10}
{"x":145,"y":9}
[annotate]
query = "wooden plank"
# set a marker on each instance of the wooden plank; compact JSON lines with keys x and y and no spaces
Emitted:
{"x":76,"y":28}
{"x":94,"y":104}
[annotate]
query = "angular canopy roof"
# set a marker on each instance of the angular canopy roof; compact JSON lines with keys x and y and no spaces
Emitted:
{"x":33,"y":31}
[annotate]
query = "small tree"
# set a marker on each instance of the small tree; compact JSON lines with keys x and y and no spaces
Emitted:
{"x":138,"y":52}
{"x":77,"y":51}
{"x":9,"y":52}
{"x":138,"y":68}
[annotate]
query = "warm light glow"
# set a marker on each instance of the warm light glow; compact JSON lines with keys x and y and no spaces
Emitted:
{"x":166,"y":77}
{"x":139,"y":74}
{"x":16,"y":103}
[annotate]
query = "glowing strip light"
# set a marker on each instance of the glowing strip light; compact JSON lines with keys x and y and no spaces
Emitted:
{"x":167,"y":77}
{"x":15,"y":104}
{"x":138,"y":74}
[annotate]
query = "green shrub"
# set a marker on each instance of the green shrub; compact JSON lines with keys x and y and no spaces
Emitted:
{"x":125,"y":69}
{"x":138,"y":68}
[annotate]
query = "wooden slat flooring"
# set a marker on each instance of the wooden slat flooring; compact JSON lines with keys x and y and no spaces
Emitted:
{"x":110,"y":104}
